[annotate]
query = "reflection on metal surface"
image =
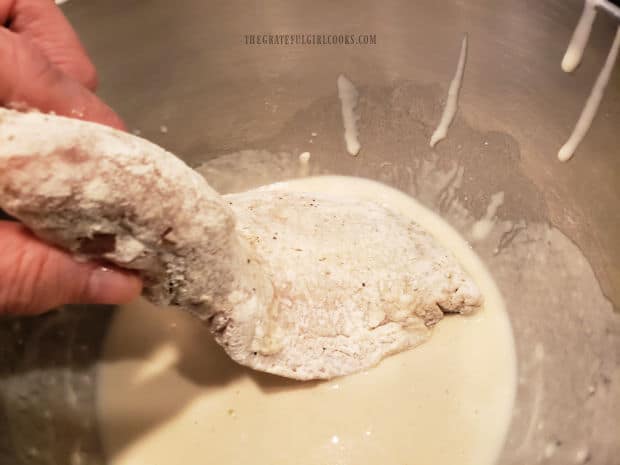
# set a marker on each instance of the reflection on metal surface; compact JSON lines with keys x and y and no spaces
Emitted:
{"x":611,"y":7}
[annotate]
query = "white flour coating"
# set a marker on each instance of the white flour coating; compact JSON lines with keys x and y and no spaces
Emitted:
{"x":353,"y":283}
{"x":481,"y":228}
{"x":301,"y":286}
{"x":594,"y":100}
{"x":348,"y":99}
{"x":579,"y":40}
{"x":453,"y":95}
{"x":105,"y":194}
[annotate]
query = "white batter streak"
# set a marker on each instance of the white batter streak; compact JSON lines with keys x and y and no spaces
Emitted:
{"x":453,"y":95}
{"x":592,"y":104}
{"x":578,"y":42}
{"x":348,"y":99}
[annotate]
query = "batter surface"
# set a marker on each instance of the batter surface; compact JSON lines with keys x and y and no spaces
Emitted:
{"x":168,"y":394}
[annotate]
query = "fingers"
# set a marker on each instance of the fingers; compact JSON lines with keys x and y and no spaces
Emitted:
{"x":45,"y":26}
{"x":28,"y":77}
{"x":35,"y":277}
{"x":43,"y":65}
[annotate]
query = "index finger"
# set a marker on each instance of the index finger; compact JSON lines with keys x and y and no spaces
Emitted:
{"x":45,"y":26}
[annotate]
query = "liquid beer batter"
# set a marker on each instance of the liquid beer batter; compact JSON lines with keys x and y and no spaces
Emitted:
{"x":168,"y":394}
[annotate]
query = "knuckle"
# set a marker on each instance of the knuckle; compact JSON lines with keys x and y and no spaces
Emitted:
{"x":8,"y":59}
{"x":21,"y":271}
{"x":25,"y":65}
{"x":42,"y":69}
{"x":35,"y":277}
{"x":90,"y":78}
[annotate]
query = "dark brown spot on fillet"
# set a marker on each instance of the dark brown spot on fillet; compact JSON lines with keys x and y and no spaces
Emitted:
{"x":99,"y":244}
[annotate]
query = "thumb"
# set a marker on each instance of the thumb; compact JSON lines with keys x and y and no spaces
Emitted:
{"x":35,"y":277}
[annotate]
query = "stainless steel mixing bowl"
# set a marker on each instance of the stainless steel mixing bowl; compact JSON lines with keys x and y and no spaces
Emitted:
{"x":555,"y":250}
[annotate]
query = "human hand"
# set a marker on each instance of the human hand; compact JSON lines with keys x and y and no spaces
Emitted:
{"x":44,"y":66}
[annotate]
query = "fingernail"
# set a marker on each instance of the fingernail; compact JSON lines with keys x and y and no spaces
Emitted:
{"x":108,"y":286}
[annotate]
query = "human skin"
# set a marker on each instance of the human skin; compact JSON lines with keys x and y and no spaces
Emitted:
{"x":44,"y":66}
